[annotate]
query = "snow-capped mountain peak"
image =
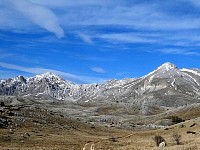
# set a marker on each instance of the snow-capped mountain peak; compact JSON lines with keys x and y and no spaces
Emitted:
{"x":167,"y":66}
{"x":48,"y":75}
{"x":19,"y":79}
{"x":165,"y":70}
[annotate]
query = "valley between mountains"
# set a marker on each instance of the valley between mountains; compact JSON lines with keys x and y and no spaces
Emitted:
{"x":117,"y":114}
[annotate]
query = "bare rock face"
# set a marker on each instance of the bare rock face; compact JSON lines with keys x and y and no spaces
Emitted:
{"x":163,"y":88}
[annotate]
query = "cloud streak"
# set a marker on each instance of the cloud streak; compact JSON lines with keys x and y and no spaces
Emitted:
{"x":68,"y":76}
{"x":126,"y":38}
{"x":85,"y":38}
{"x":108,"y":21}
{"x":98,"y":69}
{"x":177,"y":51}
{"x":39,"y":15}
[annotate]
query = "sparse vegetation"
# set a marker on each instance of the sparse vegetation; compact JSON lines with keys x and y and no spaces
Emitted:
{"x":193,"y":125}
{"x":176,"y":137}
{"x":176,"y":119}
{"x":191,"y":148}
{"x":113,"y":139}
{"x":192,"y":132}
{"x":30,"y":125}
{"x":2,"y":104}
{"x":158,"y":139}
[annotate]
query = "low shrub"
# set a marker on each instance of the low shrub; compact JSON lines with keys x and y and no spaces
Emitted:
{"x":176,"y":137}
{"x":158,"y":139}
{"x":176,"y":119}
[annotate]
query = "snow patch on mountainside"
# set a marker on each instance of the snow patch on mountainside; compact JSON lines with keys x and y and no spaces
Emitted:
{"x":191,"y":71}
{"x":165,"y":69}
{"x":167,"y":66}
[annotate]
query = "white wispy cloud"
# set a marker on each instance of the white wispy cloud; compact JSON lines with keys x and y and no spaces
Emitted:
{"x":74,"y":16}
{"x":94,"y":58}
{"x":178,"y":51}
{"x":86,"y":38}
{"x":39,"y":15}
{"x":98,"y":69}
{"x":68,"y":76}
{"x":125,"y":38}
{"x":170,"y":38}
{"x":61,"y":3}
{"x":194,"y":2}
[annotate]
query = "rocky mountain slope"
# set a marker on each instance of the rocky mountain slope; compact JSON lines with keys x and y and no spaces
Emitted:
{"x":151,"y":98}
{"x":163,"y":88}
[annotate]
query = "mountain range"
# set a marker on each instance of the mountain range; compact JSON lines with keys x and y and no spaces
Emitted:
{"x":146,"y":102}
{"x":162,"y":89}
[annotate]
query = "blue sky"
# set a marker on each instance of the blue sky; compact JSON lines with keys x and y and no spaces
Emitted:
{"x":89,"y":41}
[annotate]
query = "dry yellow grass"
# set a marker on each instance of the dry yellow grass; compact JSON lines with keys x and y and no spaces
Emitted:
{"x":103,"y":139}
{"x":143,"y":140}
{"x":67,"y":134}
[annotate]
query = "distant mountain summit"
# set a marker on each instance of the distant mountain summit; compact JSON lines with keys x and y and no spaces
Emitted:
{"x":166,"y":86}
{"x":167,"y":66}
